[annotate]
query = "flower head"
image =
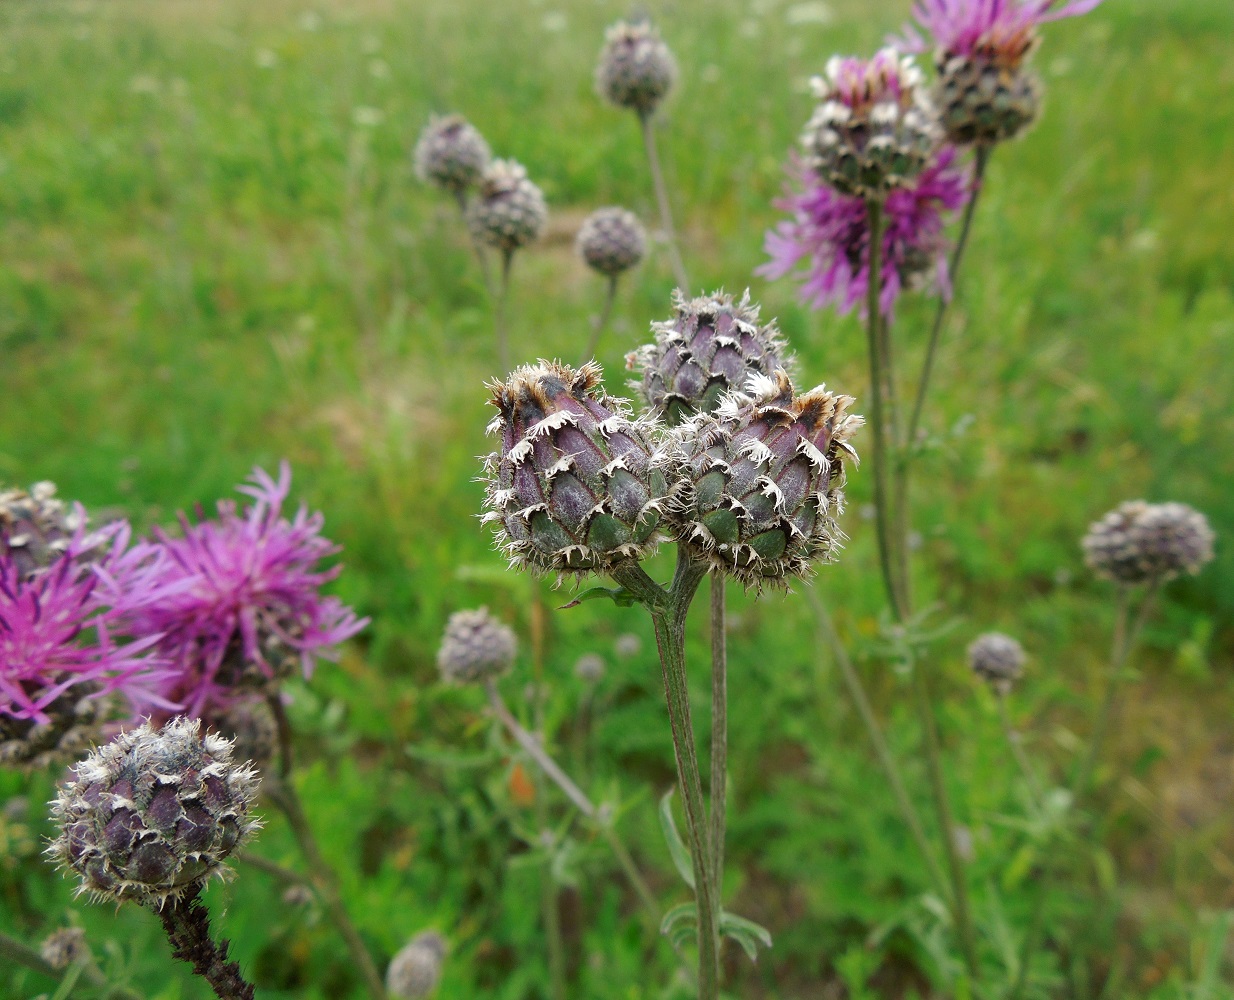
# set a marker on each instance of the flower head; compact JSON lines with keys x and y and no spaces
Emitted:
{"x":1004,"y":31}
{"x":1140,"y":542}
{"x":475,"y":647}
{"x":829,"y":233}
{"x":246,"y":607}
{"x":997,"y":659}
{"x":415,"y":970}
{"x":611,"y":241}
{"x":636,"y":69}
{"x":451,"y":154}
{"x":509,"y":210}
{"x":37,"y":526}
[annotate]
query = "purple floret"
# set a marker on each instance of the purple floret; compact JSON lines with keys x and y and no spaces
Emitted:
{"x":971,"y":27}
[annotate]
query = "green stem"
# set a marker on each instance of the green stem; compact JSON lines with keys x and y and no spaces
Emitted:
{"x":719,"y":729}
{"x":600,"y":323}
{"x":955,"y":864}
{"x":857,"y":692}
{"x":499,"y":312}
{"x":477,"y":247}
{"x":1017,"y":750}
{"x":22,"y":954}
{"x":282,"y":792}
{"x":666,"y":209}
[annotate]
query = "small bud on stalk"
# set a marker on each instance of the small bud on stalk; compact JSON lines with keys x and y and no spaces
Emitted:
{"x":415,"y":971}
{"x":611,"y":241}
{"x":997,"y":659}
{"x":451,"y":154}
{"x":509,"y":210}
{"x":475,"y":647}
{"x":1139,"y":542}
{"x":636,"y":70}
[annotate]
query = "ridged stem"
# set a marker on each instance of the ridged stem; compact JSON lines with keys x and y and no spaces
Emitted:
{"x":600,"y":323}
{"x":857,"y":692}
{"x":20,"y":953}
{"x":666,"y":209}
{"x":282,"y":792}
{"x":187,"y":925}
{"x":719,"y":730}
{"x":499,"y":312}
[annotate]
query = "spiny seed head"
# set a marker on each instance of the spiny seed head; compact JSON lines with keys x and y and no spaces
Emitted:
{"x":415,"y":971}
{"x":65,"y":947}
{"x":36,"y":527}
{"x":1141,"y":542}
{"x":763,"y":480}
{"x":475,"y":647}
{"x":450,"y":154}
{"x":508,"y":211}
{"x":153,"y":813}
{"x":997,"y":659}
{"x":874,"y":129}
{"x":636,"y":69}
{"x":611,"y":241}
{"x":710,"y":348}
{"x":983,"y":101}
{"x":590,"y":668}
{"x":575,"y":484}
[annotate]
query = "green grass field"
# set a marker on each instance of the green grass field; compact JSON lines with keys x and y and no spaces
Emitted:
{"x":213,"y":254}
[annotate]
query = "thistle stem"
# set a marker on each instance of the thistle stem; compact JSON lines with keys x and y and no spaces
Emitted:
{"x":668,"y":614}
{"x":666,"y":210}
{"x":719,"y":730}
{"x":1017,"y":750}
{"x":477,"y":247}
{"x":857,"y":692}
{"x":282,"y":792}
{"x":499,"y":311}
{"x":187,"y":924}
{"x":600,"y":323}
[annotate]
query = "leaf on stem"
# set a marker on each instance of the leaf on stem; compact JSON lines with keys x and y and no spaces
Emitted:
{"x":676,"y":846}
{"x":746,"y":933}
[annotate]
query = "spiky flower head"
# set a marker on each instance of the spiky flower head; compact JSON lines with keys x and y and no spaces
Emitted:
{"x":509,"y":210}
{"x":985,"y":93}
{"x":36,"y":527}
{"x":153,"y":813}
{"x":451,"y":154}
{"x":475,"y":647}
{"x":574,"y":485}
{"x":826,"y":242}
{"x":636,"y":69}
{"x":64,"y":947}
{"x":997,"y":659}
{"x":415,"y":971}
{"x":765,"y":473}
{"x":710,"y":348}
{"x":611,"y":241}
{"x":67,"y":645}
{"x":244,"y":608}
{"x":1141,"y":542}
{"x":874,"y":129}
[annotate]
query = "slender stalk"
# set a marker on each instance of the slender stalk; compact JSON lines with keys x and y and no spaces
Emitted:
{"x":477,"y":247}
{"x":857,"y":692}
{"x":1017,"y":749}
{"x":981,"y":160}
{"x":719,"y":729}
{"x":499,"y":312}
{"x":1032,"y":937}
{"x":551,"y":915}
{"x":955,"y":864}
{"x":600,"y":323}
{"x":187,"y":924}
{"x":666,"y":209}
{"x":874,"y":213}
{"x":282,"y":792}
{"x":273,"y":869}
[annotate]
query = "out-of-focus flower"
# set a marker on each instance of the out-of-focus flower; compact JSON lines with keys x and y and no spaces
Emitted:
{"x":611,"y":241}
{"x":475,"y":647}
{"x":636,"y":69}
{"x":450,"y":154}
{"x":246,"y":605}
{"x":1140,"y":542}
{"x":509,"y":211}
{"x":828,"y":233}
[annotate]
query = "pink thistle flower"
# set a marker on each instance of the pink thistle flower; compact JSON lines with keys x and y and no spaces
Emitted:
{"x":249,"y":604}
{"x":829,"y":233}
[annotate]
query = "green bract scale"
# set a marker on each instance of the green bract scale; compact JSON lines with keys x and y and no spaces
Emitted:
{"x":763,"y":480}
{"x":709,"y":349}
{"x":575,"y":484}
{"x":153,"y":813}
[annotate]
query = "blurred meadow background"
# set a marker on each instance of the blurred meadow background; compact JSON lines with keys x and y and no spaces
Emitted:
{"x":213,"y":254}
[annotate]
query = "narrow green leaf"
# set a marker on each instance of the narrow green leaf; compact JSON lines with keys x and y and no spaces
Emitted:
{"x":676,"y":846}
{"x":618,"y":595}
{"x":746,"y":933}
{"x":680,"y":912}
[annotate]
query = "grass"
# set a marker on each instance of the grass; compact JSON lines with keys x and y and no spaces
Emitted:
{"x":213,"y":255}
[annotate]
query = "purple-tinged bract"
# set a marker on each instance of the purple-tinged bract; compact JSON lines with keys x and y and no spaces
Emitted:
{"x":828,"y":234}
{"x":247,"y":608}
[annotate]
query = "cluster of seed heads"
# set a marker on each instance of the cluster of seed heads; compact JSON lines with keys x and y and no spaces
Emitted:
{"x":153,"y":814}
{"x":636,"y":70}
{"x":875,"y":127}
{"x":611,"y":241}
{"x":415,"y":971}
{"x":475,"y":647}
{"x":509,"y":210}
{"x":1141,"y":542}
{"x":451,"y":154}
{"x":710,"y":348}
{"x":997,"y":659}
{"x":36,"y":527}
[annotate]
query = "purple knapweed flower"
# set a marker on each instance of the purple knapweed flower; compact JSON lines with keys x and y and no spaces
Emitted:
{"x":1005,"y":29}
{"x":249,"y":606}
{"x":829,"y":234}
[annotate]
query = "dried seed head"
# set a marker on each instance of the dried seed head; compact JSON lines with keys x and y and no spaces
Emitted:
{"x":475,"y":647}
{"x":575,"y":485}
{"x":509,"y":210}
{"x":64,"y":947}
{"x":764,"y":477}
{"x":153,"y":813}
{"x":450,"y":154}
{"x":612,"y":240}
{"x":710,"y":348}
{"x":1139,"y":542}
{"x":37,"y":527}
{"x":415,"y":971}
{"x":874,"y":129}
{"x":636,"y":70}
{"x":997,"y":659}
{"x":590,"y":668}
